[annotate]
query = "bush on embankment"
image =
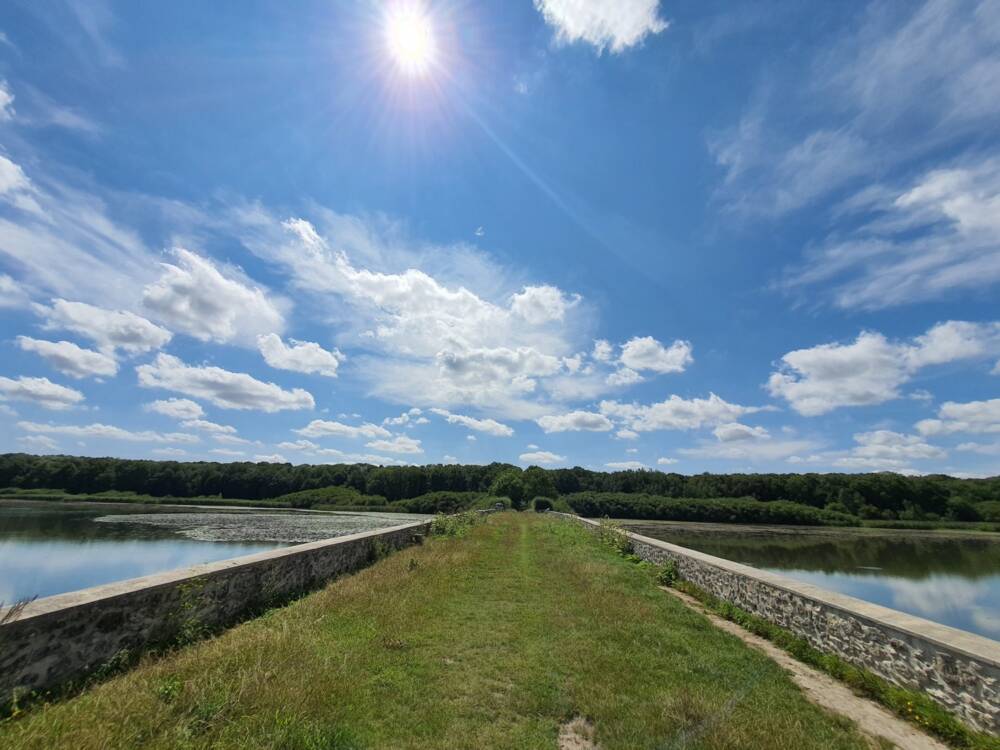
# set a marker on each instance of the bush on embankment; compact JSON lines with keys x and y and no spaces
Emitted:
{"x":330,"y":496}
{"x":446,"y":502}
{"x":722,"y":510}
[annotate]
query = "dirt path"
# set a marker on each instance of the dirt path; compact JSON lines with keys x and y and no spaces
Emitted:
{"x":824,"y":691}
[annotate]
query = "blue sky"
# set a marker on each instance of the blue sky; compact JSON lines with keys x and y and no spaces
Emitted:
{"x":675,"y":235}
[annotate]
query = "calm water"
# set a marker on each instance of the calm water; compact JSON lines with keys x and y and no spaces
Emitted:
{"x":953,"y":579}
{"x":49,"y":548}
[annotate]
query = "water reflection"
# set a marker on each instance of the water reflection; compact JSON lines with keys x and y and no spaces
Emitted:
{"x":49,"y":548}
{"x":953,"y":579}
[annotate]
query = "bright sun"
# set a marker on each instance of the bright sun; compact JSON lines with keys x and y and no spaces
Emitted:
{"x":409,"y":36}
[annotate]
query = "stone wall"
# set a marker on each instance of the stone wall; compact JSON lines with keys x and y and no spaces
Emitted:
{"x":62,"y":638}
{"x":960,"y":670}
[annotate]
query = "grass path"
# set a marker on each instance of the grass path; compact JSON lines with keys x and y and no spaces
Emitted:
{"x":493,"y":640}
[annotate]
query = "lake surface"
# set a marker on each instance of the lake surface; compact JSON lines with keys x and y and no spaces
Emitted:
{"x":50,"y":548}
{"x":951,"y":578}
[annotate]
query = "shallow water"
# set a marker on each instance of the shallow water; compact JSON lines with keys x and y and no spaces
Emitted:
{"x":50,"y":548}
{"x":951,"y":578}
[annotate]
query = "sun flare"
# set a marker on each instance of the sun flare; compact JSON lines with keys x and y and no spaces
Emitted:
{"x":409,"y":36}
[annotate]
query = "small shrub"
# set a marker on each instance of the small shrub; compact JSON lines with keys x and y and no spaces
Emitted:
{"x":454,"y":525}
{"x":542,"y":504}
{"x":612,"y":535}
{"x":667,"y":574}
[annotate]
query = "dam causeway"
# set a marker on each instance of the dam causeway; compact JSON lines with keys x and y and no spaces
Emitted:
{"x":64,"y":638}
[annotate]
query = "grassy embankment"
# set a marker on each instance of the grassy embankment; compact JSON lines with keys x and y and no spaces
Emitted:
{"x":494,"y":639}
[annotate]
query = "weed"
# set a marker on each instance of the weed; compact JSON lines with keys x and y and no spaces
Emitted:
{"x":613,"y":536}
{"x":667,"y":574}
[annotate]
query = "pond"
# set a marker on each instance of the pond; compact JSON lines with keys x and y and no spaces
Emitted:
{"x":949,"y":577}
{"x":50,"y":548}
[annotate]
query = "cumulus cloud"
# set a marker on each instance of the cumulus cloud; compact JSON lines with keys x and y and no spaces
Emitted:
{"x":214,"y":428}
{"x":323,"y":428}
{"x":398,"y":444}
{"x":176,"y":408}
{"x":624,"y":376}
{"x":646,"y":353}
{"x":541,"y":457}
{"x":195,"y":297}
{"x":886,"y":444}
{"x":301,"y":356}
{"x":225,"y":389}
{"x":626,"y":434}
{"x":315,"y":452}
{"x":751,"y":450}
{"x":626,"y":465}
{"x":603,"y":350}
{"x":985,"y":449}
{"x":38,"y":442}
{"x":972,"y":417}
{"x":109,"y":329}
{"x":490,"y":426}
{"x":676,"y":413}
{"x":411,"y":417}
{"x":733,"y":431}
{"x":614,"y":25}
{"x":542,"y":304}
{"x":433,"y":340}
{"x":665,"y":461}
{"x":575,"y":421}
{"x":106,"y":432}
{"x":40,"y":391}
{"x":70,"y":359}
{"x":871,"y":369}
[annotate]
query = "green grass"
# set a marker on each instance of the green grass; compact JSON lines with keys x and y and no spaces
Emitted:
{"x":489,"y":638}
{"x":911,"y":705}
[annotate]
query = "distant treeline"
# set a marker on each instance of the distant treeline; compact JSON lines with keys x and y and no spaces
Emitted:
{"x":869,"y":496}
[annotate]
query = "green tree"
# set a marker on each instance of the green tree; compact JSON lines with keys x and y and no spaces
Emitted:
{"x":509,"y":484}
{"x":538,"y":483}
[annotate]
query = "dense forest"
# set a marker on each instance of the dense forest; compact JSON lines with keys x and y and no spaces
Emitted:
{"x":870,"y":496}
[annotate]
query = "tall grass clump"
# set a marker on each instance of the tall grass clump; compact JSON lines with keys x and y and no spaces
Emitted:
{"x":455,"y":525}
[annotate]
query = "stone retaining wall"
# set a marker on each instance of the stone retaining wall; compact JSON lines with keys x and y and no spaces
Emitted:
{"x":62,"y":638}
{"x":959,"y":670}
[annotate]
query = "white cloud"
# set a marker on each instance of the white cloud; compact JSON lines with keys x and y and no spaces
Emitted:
{"x":210,"y":427}
{"x":489,"y":426}
{"x":311,"y":449}
{"x":322,"y":428}
{"x":398,"y":444}
{"x":11,"y":293}
{"x":733,"y":431}
{"x":973,"y":417}
{"x":918,"y":242}
{"x":625,"y":465}
{"x":541,"y":457}
{"x":109,"y":329}
{"x":433,"y":341}
{"x":603,"y":350}
{"x":623,"y":376}
{"x":301,"y":356}
{"x":38,"y":442}
{"x":106,"y":432}
{"x":647,"y":353}
{"x":575,"y":421}
{"x":676,"y":413}
{"x":626,"y":434}
{"x":17,"y":190}
{"x":410,"y":417}
{"x":6,"y":102}
{"x":542,"y":304}
{"x":748,"y":450}
{"x":446,"y":459}
{"x":664,"y":461}
{"x":40,"y":391}
{"x":614,"y":25}
{"x":169,"y":452}
{"x":70,"y":359}
{"x":871,"y":369}
{"x":176,"y":408}
{"x":225,"y":389}
{"x":985,"y":449}
{"x":886,"y":444}
{"x":471,"y":438}
{"x":195,"y":297}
